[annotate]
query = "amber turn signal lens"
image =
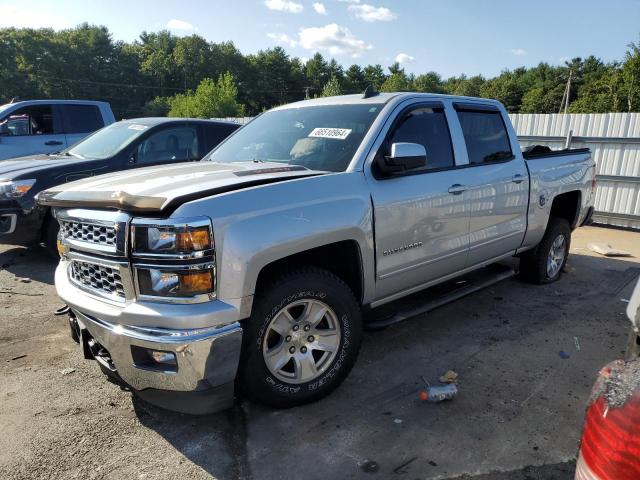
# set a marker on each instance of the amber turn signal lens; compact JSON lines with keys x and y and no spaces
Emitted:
{"x":197,"y":282}
{"x":193,"y":240}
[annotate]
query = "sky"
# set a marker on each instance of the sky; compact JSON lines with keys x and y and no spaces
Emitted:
{"x":447,"y":36}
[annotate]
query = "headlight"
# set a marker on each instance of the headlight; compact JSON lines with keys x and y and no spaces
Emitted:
{"x":15,"y":188}
{"x":174,"y":259}
{"x":176,"y":282}
{"x":192,"y":238}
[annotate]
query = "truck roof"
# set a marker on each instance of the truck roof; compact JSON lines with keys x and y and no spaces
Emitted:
{"x":381,"y":98}
{"x":152,"y":121}
{"x":59,"y":102}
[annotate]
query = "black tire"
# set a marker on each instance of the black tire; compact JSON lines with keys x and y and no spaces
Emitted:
{"x":533,"y":264}
{"x":50,"y":237}
{"x":255,"y":379}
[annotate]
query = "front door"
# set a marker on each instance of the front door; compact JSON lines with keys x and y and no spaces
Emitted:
{"x":421,"y":222}
{"x":31,"y":130}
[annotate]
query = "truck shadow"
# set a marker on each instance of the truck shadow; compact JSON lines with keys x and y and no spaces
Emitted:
{"x":473,"y":335}
{"x":217,"y":443}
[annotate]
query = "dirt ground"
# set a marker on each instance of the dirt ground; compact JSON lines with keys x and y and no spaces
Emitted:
{"x":518,"y":415}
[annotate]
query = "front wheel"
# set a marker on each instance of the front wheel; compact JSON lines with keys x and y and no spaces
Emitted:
{"x":545,"y":263}
{"x":302,"y":339}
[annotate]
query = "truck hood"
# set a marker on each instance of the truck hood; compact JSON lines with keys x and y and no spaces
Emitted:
{"x":26,"y":167}
{"x":160,"y":188}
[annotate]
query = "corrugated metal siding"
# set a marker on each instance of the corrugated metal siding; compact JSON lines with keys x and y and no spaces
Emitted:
{"x":618,"y":199}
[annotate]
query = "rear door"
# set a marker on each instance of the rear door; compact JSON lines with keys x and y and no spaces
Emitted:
{"x":80,"y":120}
{"x":33,"y":129}
{"x":421,"y":228}
{"x":496,"y":183}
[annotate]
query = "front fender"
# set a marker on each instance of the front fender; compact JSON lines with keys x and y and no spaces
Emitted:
{"x":256,"y":226}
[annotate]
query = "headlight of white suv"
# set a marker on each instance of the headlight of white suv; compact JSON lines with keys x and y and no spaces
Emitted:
{"x":174,"y":259}
{"x":15,"y":188}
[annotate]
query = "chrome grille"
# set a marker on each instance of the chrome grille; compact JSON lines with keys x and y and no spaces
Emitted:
{"x":89,"y":233}
{"x":100,"y":279}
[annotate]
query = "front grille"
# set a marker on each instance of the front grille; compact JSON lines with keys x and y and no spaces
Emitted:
{"x":89,"y":233}
{"x":102,"y":280}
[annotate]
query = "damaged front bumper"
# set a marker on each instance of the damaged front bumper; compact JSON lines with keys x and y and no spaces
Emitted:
{"x":190,"y":371}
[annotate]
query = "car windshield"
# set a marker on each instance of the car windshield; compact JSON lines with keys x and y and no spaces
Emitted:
{"x":106,"y":142}
{"x":319,"y":138}
{"x":5,"y":106}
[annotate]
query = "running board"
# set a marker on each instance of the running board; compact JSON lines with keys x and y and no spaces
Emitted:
{"x":436,"y":296}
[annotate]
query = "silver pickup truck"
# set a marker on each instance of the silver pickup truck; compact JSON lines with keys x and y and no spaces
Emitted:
{"x":251,"y":269}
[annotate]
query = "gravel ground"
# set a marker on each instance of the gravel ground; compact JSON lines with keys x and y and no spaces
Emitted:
{"x":518,"y":415}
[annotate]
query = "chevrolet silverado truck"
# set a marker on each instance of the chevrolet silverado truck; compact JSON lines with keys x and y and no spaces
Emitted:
{"x":251,"y":269}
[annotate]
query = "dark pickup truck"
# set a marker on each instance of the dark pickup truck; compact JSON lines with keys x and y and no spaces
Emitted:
{"x":120,"y":146}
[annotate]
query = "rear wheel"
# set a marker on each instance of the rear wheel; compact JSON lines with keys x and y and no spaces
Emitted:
{"x":301,"y":340}
{"x":545,"y":263}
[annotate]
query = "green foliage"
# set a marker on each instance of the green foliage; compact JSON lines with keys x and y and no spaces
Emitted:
{"x":396,"y":82}
{"x":331,"y":88}
{"x":211,"y":99}
{"x":160,"y":72}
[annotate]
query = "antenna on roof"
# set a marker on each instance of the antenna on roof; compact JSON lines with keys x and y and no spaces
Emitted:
{"x":369,"y":92}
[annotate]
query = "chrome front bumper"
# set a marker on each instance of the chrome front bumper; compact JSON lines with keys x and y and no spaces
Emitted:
{"x":207,"y":360}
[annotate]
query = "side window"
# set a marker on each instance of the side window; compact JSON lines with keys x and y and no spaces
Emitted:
{"x":216,"y":133}
{"x":485,"y":135}
{"x":170,"y":144}
{"x":34,"y":120}
{"x":428,"y":127}
{"x":82,"y":118}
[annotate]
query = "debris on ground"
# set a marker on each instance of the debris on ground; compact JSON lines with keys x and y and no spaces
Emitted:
{"x":397,"y":420}
{"x":24,"y":280}
{"x":607,"y":250}
{"x":577,"y":342}
{"x":62,"y":310}
{"x":369,"y":466}
{"x":402,"y":468}
{"x":449,"y":377}
{"x":19,"y":357}
{"x":67,"y":371}
{"x":438,"y":393}
{"x":564,"y":355}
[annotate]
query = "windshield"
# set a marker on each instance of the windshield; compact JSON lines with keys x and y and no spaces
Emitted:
{"x":319,"y":138}
{"x":106,"y":142}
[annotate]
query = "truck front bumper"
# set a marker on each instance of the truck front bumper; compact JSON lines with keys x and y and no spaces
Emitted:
{"x":198,"y":371}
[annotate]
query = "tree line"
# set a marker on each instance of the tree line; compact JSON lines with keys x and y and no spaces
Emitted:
{"x":160,"y":74}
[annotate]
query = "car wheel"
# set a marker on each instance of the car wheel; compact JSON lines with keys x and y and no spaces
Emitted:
{"x":545,"y":263}
{"x":302,"y":338}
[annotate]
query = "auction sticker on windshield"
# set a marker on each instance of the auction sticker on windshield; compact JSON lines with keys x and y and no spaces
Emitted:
{"x":337,"y":133}
{"x":137,"y":127}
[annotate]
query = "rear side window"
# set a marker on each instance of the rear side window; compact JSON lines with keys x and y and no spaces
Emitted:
{"x":428,"y":127}
{"x":216,"y":133}
{"x":485,"y":135}
{"x":82,"y":118}
{"x":174,"y":144}
{"x":34,"y":120}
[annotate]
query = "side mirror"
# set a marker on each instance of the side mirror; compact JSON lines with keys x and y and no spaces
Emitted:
{"x":4,"y":129}
{"x":404,"y":156}
{"x":133,"y":156}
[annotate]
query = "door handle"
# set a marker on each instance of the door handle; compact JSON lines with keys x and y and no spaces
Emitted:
{"x":50,"y":143}
{"x":457,"y":189}
{"x":517,"y":178}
